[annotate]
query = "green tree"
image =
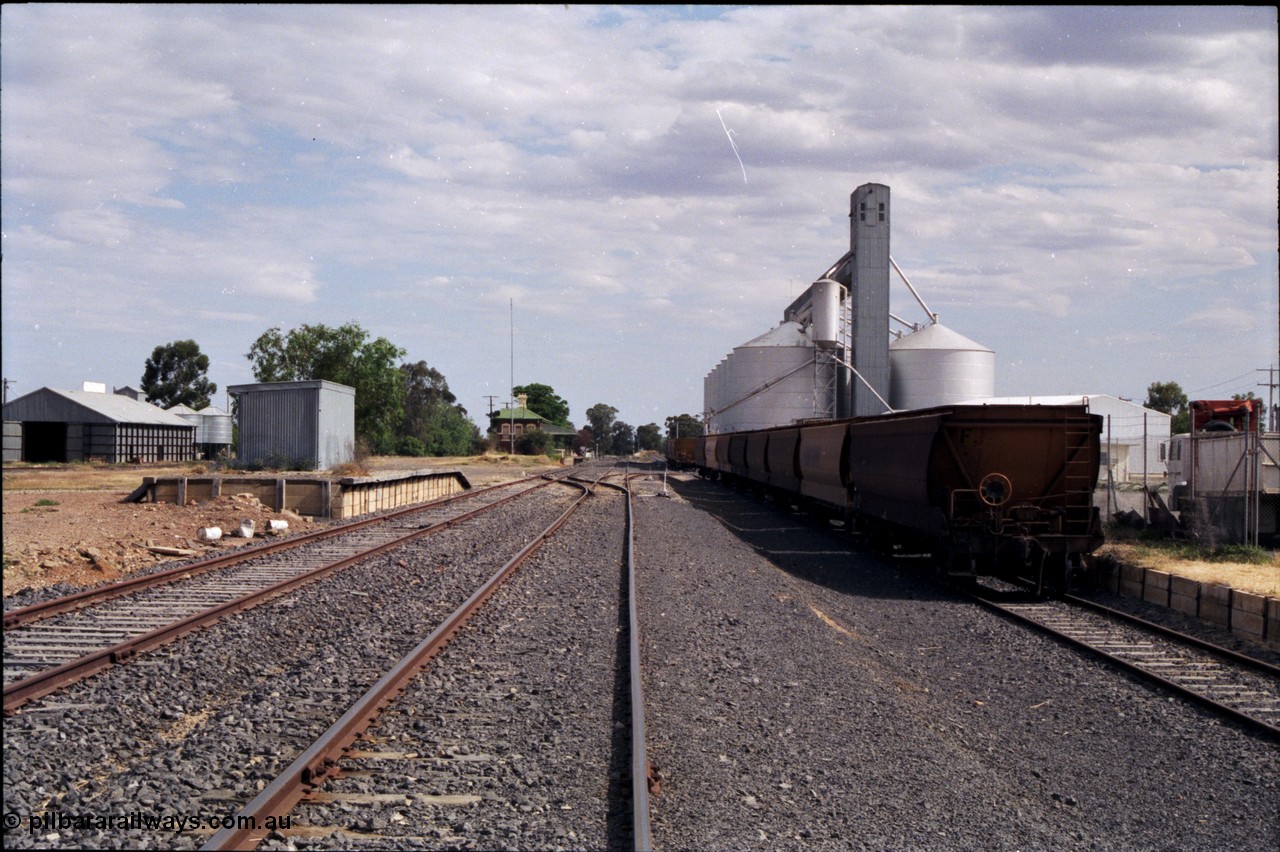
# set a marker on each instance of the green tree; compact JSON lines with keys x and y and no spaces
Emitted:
{"x":535,"y":442}
{"x":344,"y":355}
{"x":622,"y":439}
{"x":450,"y":432}
{"x":600,"y":418}
{"x":431,"y":416}
{"x":649,"y":436}
{"x":684,"y":426}
{"x":545,"y":402}
{"x":1169,"y":398}
{"x":175,"y":374}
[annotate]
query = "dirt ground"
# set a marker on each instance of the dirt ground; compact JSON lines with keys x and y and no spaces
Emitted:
{"x":68,"y":523}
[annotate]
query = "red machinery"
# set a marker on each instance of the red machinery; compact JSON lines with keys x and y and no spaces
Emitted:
{"x":1241,"y":414}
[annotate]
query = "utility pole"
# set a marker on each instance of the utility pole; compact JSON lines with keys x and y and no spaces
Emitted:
{"x":1270,"y":384}
{"x":7,"y":382}
{"x":491,"y":397}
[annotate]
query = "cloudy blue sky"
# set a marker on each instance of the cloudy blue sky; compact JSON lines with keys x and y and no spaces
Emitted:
{"x":1090,"y":192}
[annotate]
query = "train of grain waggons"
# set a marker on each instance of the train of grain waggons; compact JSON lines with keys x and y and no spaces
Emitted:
{"x":987,"y":489}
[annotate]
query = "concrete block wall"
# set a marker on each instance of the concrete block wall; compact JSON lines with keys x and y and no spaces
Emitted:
{"x":364,"y":495}
{"x":1250,"y":616}
{"x":318,"y":498}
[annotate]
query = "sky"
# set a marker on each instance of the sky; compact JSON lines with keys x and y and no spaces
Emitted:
{"x":608,"y":200}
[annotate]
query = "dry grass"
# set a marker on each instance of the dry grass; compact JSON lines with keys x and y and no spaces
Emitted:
{"x":91,"y":476}
{"x":99,"y":476}
{"x":353,"y":469}
{"x":377,"y":463}
{"x":1261,"y":578}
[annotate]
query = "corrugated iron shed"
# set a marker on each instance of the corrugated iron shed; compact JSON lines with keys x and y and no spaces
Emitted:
{"x":64,"y":406}
{"x":307,"y":425}
{"x":61,"y":426}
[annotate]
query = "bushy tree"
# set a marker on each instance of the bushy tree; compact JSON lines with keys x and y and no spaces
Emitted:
{"x":1169,"y":398}
{"x":622,"y":439}
{"x":600,"y":418}
{"x":649,"y":437}
{"x":534,"y":442}
{"x":431,"y":415}
{"x":410,"y":446}
{"x":344,"y":355}
{"x":176,"y":374}
{"x":450,"y":432}
{"x":684,"y":426}
{"x":545,"y":402}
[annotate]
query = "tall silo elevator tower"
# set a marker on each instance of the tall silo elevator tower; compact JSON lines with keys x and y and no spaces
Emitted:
{"x":869,"y":274}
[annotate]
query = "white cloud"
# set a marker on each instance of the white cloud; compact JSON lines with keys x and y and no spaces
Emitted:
{"x":418,"y":169}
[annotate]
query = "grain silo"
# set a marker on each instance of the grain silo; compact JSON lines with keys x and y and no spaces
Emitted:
{"x":188,"y":414}
{"x":216,"y":431}
{"x":831,"y":357}
{"x":938,"y":366}
{"x":768,"y":381}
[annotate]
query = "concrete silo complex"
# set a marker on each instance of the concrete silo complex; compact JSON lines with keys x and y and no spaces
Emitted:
{"x":765,"y":381}
{"x":831,"y":356}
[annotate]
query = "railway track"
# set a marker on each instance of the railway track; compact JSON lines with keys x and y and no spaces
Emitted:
{"x":347,"y":750}
{"x":50,"y":645}
{"x":1234,"y":685}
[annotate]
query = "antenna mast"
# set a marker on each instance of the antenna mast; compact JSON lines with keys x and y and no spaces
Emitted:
{"x":511,"y":390}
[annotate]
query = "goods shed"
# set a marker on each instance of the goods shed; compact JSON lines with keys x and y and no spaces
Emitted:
{"x":51,"y":425}
{"x":307,"y":425}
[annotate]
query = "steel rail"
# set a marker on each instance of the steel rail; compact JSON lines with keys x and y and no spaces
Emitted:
{"x":641,"y":771}
{"x":49,"y":680}
{"x":100,"y":594}
{"x":1234,"y":656}
{"x":320,"y":759}
{"x":1247,"y":720}
{"x":643,"y":777}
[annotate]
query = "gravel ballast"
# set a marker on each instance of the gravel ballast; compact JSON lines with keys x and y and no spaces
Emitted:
{"x":198,"y":728}
{"x":509,"y":739}
{"x":802,"y":694}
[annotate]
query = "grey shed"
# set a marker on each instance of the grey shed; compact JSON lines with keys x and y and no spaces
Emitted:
{"x":307,"y":425}
{"x":65,"y":426}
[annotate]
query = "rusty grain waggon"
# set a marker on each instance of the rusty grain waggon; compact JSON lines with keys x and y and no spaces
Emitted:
{"x":986,"y":489}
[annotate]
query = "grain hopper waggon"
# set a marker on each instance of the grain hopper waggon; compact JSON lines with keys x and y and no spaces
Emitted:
{"x":986,"y":489}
